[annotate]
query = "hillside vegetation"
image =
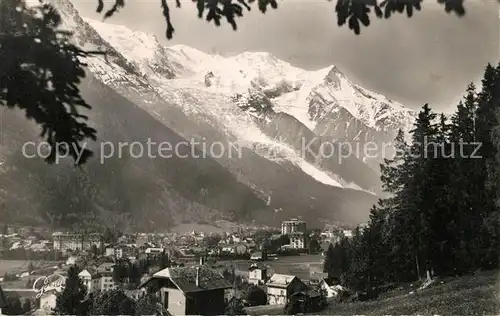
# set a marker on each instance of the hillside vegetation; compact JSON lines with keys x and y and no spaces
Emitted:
{"x":468,"y":295}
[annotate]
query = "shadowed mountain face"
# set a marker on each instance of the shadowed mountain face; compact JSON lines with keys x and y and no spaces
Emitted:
{"x":144,"y":188}
{"x":150,"y":191}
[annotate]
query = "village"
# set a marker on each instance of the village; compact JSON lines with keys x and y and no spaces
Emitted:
{"x":275,"y":263}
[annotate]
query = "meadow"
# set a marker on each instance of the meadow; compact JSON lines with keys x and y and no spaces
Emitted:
{"x":469,"y":295}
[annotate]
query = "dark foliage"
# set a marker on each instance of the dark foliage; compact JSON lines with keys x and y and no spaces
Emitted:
{"x":39,"y":74}
{"x":149,"y":304}
{"x":72,"y":300}
{"x":113,"y":302}
{"x":256,"y":296}
{"x":354,"y":13}
{"x":235,"y":306}
{"x":13,"y":306}
{"x":442,"y":217}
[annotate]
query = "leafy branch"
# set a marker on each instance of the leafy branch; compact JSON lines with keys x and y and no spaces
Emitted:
{"x":353,"y":12}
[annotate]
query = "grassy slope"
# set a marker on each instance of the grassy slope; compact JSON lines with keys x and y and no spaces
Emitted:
{"x":470,"y":295}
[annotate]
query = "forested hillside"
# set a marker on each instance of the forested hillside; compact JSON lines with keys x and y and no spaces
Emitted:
{"x":442,"y":217}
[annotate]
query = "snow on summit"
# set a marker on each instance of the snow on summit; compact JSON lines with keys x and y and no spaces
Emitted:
{"x":203,"y":86}
{"x":260,"y":70}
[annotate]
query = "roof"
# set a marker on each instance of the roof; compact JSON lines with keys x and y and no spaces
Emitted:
{"x":185,"y":278}
{"x":331,"y":281}
{"x":310,"y":293}
{"x":103,"y":267}
{"x":280,"y":280}
{"x":85,"y":273}
{"x":255,"y":266}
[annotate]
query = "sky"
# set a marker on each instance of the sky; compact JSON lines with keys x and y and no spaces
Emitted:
{"x":429,"y":58}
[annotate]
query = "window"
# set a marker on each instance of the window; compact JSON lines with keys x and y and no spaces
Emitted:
{"x":165,"y":299}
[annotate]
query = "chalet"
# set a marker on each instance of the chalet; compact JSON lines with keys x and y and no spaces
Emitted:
{"x":308,"y":300}
{"x":257,"y":274}
{"x":196,"y":290}
{"x":280,"y":287}
{"x":105,"y":272}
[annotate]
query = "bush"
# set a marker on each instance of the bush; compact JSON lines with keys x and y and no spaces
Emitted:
{"x":256,"y":296}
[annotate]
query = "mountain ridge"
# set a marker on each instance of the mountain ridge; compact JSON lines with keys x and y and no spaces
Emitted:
{"x":200,"y":102}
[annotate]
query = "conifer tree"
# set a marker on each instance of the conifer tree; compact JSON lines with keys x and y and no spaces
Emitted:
{"x":329,"y":261}
{"x":71,"y":300}
{"x":164,"y":260}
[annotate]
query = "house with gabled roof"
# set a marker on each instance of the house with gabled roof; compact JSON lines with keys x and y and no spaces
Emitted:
{"x":257,"y":274}
{"x":196,"y":290}
{"x":281,"y":287}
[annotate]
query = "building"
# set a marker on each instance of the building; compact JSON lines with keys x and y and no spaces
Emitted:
{"x":298,"y":240}
{"x":105,"y":275}
{"x":116,"y":252}
{"x":281,"y":286}
{"x":347,"y":233}
{"x":76,"y":241}
{"x":292,"y":226}
{"x":153,"y":251}
{"x":309,"y":300}
{"x":257,"y":274}
{"x":91,"y":280}
{"x":196,"y":290}
{"x":258,"y":256}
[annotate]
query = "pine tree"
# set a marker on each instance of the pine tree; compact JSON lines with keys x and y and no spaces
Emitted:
{"x":420,"y":206}
{"x":71,"y":300}
{"x":376,"y":237}
{"x":134,"y":274}
{"x":164,"y":260}
{"x":395,"y":176}
{"x":329,"y":264}
{"x":467,"y":187}
{"x":486,"y":124}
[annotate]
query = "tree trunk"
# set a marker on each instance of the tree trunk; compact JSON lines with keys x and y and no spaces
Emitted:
{"x":417,"y":266}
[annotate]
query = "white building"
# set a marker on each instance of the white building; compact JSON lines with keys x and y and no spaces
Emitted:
{"x":105,"y":274}
{"x":281,"y":286}
{"x":293,"y":226}
{"x":347,"y":233}
{"x":153,"y":251}
{"x":76,"y":241}
{"x":257,"y":275}
{"x":115,"y":252}
{"x":298,"y":241}
{"x":92,"y":281}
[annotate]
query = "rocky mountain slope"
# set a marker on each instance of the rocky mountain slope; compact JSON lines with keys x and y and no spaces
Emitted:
{"x":260,"y":110}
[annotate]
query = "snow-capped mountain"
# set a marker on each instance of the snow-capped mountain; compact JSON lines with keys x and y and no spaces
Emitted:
{"x":253,"y":102}
{"x":325,"y":101}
